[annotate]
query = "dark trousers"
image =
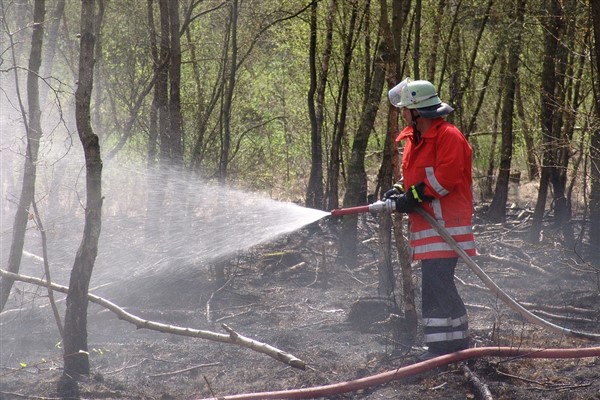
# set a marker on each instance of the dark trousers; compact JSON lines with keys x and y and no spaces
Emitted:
{"x":445,"y":321}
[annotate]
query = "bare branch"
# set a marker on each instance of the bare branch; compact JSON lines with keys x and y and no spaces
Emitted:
{"x":232,"y":337}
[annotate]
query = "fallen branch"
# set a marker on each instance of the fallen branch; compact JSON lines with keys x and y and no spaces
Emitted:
{"x":559,"y":309}
{"x":25,"y":396}
{"x":514,"y":263}
{"x":181,"y":371}
{"x":232,"y":337}
{"x":482,"y":390}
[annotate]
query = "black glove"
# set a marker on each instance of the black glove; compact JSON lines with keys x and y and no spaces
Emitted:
{"x":407,"y":202}
{"x":395,"y":191}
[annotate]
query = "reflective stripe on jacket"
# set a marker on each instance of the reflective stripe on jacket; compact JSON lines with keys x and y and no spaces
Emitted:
{"x":441,"y":159}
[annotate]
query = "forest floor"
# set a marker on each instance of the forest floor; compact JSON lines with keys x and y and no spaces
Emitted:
{"x":293,"y":295}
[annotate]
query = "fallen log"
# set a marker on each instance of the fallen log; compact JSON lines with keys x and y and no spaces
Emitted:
{"x":231,"y":337}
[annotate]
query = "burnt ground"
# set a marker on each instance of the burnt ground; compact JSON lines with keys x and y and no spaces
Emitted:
{"x":292,"y":294}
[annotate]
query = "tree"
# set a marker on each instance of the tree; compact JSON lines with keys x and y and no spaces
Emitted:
{"x":316,"y":94}
{"x":76,"y":356}
{"x":356,"y":180}
{"x":229,"y":90}
{"x":595,"y":145}
{"x":497,"y":211}
{"x":389,"y":172}
{"x":548,"y":110}
{"x":341,"y":113}
{"x":33,"y":131}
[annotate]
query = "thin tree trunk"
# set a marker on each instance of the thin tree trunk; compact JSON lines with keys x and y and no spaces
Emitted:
{"x":435,"y":38}
{"x":417,"y":41}
{"x":564,"y":123}
{"x":388,"y":169}
{"x":206,"y":105}
{"x":52,"y":24}
{"x":157,"y":118}
{"x":228,"y":100}
{"x":489,"y":177}
{"x":33,"y":130}
{"x":468,"y":76}
{"x":454,"y":11}
{"x":314,"y":192}
{"x":97,"y":66}
{"x":153,"y":44}
{"x":335,"y":152}
{"x":456,"y":73}
{"x":175,"y":118}
{"x":497,"y":211}
{"x":356,"y":192}
{"x":475,"y":115}
{"x":548,"y":109}
{"x":532,"y":164}
{"x":594,"y":251}
{"x":76,"y":358}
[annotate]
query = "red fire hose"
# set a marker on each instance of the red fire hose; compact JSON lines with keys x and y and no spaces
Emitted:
{"x":413,"y":369}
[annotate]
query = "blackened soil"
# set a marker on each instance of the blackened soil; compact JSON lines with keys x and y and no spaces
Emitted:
{"x":294,"y":295}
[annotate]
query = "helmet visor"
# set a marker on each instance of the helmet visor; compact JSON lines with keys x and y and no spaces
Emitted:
{"x":395,"y":93}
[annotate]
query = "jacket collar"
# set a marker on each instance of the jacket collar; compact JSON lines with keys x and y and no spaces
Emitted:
{"x":430,"y":132}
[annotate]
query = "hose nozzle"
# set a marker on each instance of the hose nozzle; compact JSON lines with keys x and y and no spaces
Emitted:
{"x":388,"y":205}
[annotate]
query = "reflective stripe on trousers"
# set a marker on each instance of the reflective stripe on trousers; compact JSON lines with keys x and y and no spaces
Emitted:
{"x":445,"y":319}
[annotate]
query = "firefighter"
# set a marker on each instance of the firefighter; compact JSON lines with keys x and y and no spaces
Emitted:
{"x":436,"y":169}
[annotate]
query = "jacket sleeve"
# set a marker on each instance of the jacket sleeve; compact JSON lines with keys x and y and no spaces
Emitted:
{"x":449,"y":167}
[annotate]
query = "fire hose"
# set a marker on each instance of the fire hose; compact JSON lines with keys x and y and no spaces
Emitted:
{"x":389,"y":205}
{"x":413,"y":369}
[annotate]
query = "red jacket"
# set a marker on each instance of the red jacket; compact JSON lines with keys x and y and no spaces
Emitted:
{"x":441,"y":159}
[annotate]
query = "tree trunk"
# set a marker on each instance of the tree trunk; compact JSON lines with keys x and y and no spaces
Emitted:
{"x":417,"y":41}
{"x":497,"y":211}
{"x":489,"y":177}
{"x":456,"y":73}
{"x":356,"y":186}
{"x":548,"y":109}
{"x":465,"y":83}
{"x":162,"y":88}
{"x":314,"y":191}
{"x":532,"y":164}
{"x":226,"y":140}
{"x":335,"y":152}
{"x":175,"y":119}
{"x":52,"y":25}
{"x":153,"y":115}
{"x":34,"y":133}
{"x":158,"y":119}
{"x":76,"y":358}
{"x":389,"y":172}
{"x":435,"y":38}
{"x":594,"y":251}
{"x":564,"y":122}
{"x":97,"y":66}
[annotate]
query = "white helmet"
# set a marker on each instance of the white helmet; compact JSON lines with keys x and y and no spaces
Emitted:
{"x":420,"y":95}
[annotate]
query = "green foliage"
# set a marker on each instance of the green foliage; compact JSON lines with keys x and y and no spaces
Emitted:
{"x":269,"y":123}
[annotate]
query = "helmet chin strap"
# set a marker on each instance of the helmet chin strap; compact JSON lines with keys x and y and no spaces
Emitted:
{"x":416,"y":134}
